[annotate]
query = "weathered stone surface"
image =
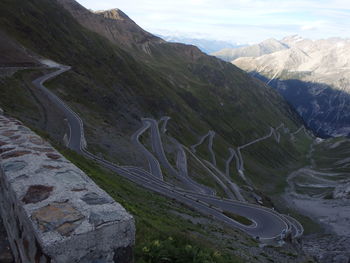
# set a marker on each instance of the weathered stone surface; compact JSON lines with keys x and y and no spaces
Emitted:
{"x":8,"y":133}
{"x":79,"y":189}
{"x":95,"y":199}
{"x":15,"y":137}
{"x":54,"y":212}
{"x":56,"y":216}
{"x":6,"y":149}
{"x":68,"y":176}
{"x":14,"y":166}
{"x":14,"y":154}
{"x":37,"y":193}
{"x":53,"y":156}
{"x":36,"y":140}
{"x":41,"y":149}
{"x":51,"y":167}
{"x":104,"y":217}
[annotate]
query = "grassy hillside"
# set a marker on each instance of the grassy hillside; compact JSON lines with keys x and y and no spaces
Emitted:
{"x":169,"y":232}
{"x":112,"y":88}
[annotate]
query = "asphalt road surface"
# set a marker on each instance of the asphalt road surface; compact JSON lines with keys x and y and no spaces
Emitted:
{"x":268,"y":224}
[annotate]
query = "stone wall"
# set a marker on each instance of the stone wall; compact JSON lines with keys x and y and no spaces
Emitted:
{"x":52,"y":211}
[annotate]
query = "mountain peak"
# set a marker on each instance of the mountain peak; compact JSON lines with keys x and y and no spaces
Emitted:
{"x":270,"y":40}
{"x":113,"y":24}
{"x":115,"y":14}
{"x":292,"y":39}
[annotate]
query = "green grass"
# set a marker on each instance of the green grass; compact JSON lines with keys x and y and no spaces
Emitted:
{"x":113,"y":88}
{"x":16,"y":98}
{"x":241,"y":219}
{"x":155,"y":220}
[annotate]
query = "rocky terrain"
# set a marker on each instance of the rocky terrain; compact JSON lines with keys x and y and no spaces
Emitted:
{"x":321,"y":191}
{"x":120,"y":74}
{"x":266,"y":47}
{"x":313,"y":76}
{"x":112,"y":24}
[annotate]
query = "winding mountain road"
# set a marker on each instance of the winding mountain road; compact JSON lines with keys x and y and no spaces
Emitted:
{"x":165,"y":120}
{"x":233,"y":153}
{"x":210,"y":135}
{"x":152,"y":161}
{"x":181,"y":163}
{"x":268,"y":224}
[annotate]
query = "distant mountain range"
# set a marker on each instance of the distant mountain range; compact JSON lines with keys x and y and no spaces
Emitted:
{"x":313,"y":75}
{"x":266,"y":47}
{"x":206,"y":45}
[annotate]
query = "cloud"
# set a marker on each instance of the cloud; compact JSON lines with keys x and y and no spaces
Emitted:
{"x":251,"y":20}
{"x":314,"y":25}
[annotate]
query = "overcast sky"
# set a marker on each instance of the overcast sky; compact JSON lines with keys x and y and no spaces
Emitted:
{"x":243,"y":21}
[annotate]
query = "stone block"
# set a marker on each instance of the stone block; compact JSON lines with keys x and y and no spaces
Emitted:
{"x":52,"y":211}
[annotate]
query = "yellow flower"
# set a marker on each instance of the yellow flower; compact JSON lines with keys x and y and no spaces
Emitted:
{"x":156,"y":243}
{"x":145,"y":249}
{"x":216,"y":254}
{"x":188,"y":247}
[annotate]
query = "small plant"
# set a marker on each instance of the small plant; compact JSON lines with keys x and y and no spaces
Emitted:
{"x":241,"y":219}
{"x":178,"y":251}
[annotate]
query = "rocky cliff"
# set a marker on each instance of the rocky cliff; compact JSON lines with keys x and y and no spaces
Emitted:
{"x":313,"y":76}
{"x":112,"y":24}
{"x":266,"y":47}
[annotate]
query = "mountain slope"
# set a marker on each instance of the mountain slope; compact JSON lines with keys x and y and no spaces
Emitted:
{"x":113,"y":86}
{"x":115,"y":82}
{"x":13,"y":54}
{"x":274,"y":64}
{"x":206,"y":45}
{"x":266,"y":47}
{"x":112,"y":24}
{"x":316,"y":70}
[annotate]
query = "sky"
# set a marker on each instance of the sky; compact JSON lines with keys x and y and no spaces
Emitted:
{"x":237,"y":21}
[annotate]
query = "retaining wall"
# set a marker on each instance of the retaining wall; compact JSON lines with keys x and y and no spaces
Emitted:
{"x":52,"y":211}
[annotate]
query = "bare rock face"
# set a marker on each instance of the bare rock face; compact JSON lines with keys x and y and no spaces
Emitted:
{"x":266,"y":47}
{"x":328,"y":248}
{"x":112,"y":24}
{"x":313,"y":76}
{"x":342,"y":192}
{"x":115,"y":14}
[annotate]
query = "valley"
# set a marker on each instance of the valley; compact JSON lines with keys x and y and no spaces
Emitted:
{"x":211,"y":161}
{"x":312,"y":76}
{"x":267,"y":225}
